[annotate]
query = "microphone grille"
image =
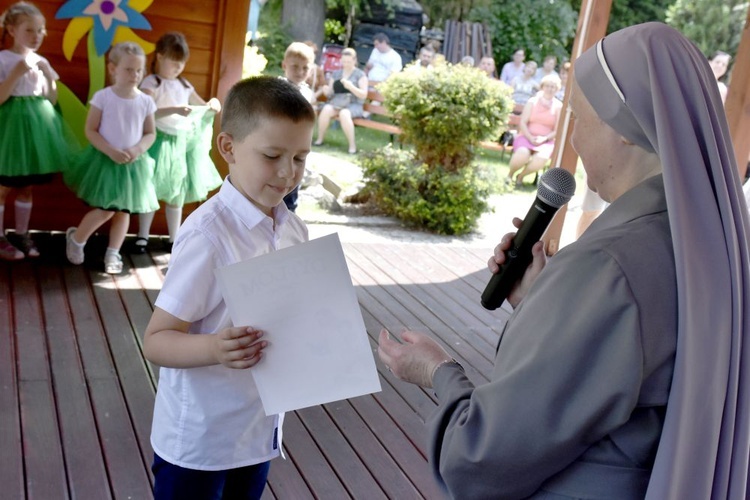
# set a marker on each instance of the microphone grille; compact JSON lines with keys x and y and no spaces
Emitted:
{"x":556,"y":187}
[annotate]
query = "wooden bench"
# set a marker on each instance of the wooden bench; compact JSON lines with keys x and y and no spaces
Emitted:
{"x":374,"y":106}
{"x":503,"y":146}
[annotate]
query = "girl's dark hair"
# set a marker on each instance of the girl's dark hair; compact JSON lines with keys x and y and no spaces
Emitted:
{"x":12,"y":16}
{"x":171,"y":45}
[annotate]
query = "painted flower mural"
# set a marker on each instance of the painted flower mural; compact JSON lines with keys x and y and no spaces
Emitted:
{"x":106,"y":22}
{"x":110,"y":21}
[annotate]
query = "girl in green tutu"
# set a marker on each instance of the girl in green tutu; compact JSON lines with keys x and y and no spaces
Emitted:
{"x":34,"y":142}
{"x":184,"y":170}
{"x":114,"y":174}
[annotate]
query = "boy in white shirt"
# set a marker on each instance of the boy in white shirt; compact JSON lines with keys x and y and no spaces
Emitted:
{"x":210,"y":434}
{"x":299,"y":60}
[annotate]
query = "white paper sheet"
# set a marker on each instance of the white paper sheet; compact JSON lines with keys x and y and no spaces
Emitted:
{"x":303,"y":299}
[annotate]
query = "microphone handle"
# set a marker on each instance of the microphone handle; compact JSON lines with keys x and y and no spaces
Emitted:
{"x":519,"y":256}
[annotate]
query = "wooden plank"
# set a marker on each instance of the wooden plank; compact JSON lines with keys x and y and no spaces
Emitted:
{"x":455,"y":303}
{"x":44,"y":467}
{"x":138,"y":309}
{"x":84,"y":463}
{"x":183,"y":10}
{"x":471,"y":269}
{"x":371,"y":446}
{"x":407,"y":454}
{"x":738,"y":101}
{"x":408,"y":404}
{"x":128,"y":475}
{"x":131,"y":369}
{"x":11,"y":454}
{"x":301,"y":448}
{"x":375,"y":125}
{"x":354,"y":427}
{"x":286,"y":481}
{"x":429,"y":304}
{"x":593,"y":18}
{"x":347,"y":465}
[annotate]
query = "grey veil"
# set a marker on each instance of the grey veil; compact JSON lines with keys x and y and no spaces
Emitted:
{"x":654,"y":87}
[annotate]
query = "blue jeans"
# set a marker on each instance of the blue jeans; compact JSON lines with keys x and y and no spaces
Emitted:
{"x":175,"y":482}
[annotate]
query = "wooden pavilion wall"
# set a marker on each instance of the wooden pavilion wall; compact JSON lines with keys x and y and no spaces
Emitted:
{"x":215,"y":32}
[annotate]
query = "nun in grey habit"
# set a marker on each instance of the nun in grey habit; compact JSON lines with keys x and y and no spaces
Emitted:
{"x":623,"y":371}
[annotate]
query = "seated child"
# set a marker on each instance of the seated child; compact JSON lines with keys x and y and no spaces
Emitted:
{"x":210,"y":433}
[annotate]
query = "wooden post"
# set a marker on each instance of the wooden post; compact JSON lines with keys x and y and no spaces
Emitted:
{"x":738,"y":102}
{"x":592,"y":25}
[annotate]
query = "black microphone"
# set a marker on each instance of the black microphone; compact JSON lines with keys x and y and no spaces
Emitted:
{"x":556,"y":187}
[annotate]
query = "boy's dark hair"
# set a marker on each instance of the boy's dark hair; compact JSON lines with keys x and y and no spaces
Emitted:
{"x":382,"y":37}
{"x":255,"y":99}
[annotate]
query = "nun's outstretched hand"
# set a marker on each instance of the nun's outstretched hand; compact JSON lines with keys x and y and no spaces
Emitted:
{"x":414,"y":359}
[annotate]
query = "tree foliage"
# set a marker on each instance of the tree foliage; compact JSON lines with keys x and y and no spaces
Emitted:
{"x":629,"y":12}
{"x":712,"y":25}
{"x":440,"y":11}
{"x":540,"y":27}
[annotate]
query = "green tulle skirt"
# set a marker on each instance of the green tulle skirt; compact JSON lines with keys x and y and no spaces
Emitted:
{"x":34,"y":139}
{"x":102,"y":183}
{"x":202,"y":176}
{"x":170,"y":173}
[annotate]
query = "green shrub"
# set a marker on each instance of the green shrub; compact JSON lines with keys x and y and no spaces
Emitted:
{"x":431,"y":197}
{"x":446,"y":111}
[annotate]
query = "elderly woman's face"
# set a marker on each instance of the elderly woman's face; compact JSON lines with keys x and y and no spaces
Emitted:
{"x":597,"y":144}
{"x":549,"y":89}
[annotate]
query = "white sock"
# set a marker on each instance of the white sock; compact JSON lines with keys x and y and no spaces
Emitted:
{"x":111,"y":251}
{"x":144,"y":224}
{"x":23,"y":214}
{"x":73,"y":240}
{"x":2,"y":220}
{"x":174,"y":218}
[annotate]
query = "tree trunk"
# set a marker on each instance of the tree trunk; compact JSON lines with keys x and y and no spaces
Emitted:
{"x":305,"y":19}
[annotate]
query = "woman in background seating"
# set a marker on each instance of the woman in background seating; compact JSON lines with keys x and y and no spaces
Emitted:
{"x":533,"y":145}
{"x":346,"y":91}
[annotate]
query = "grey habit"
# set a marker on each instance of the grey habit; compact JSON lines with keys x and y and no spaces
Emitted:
{"x":624,"y":372}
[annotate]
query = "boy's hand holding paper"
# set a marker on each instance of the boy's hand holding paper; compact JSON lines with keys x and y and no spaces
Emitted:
{"x":303,"y":299}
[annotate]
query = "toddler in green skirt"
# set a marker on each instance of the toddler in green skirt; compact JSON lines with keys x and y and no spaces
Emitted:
{"x":114,"y":175}
{"x":34,"y":141}
{"x":184,"y":171}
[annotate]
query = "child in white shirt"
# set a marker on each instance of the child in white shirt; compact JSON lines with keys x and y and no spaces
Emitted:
{"x":210,"y":433}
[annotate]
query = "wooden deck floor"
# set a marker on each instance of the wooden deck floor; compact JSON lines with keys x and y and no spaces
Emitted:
{"x":76,"y":395}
